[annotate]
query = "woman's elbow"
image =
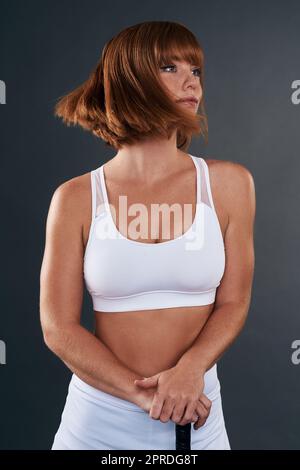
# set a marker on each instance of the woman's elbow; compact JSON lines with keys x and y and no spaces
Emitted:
{"x":55,"y":336}
{"x":50,"y":336}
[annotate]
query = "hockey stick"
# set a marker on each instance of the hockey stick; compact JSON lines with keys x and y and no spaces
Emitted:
{"x":183,"y":436}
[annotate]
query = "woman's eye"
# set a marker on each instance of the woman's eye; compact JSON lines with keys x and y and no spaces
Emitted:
{"x":198,"y":70}
{"x":167,"y":67}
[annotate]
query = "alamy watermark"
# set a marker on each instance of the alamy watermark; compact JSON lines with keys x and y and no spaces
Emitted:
{"x":2,"y":352}
{"x":2,"y":92}
{"x":190,"y":229}
{"x":296,"y":354}
{"x":295,"y":96}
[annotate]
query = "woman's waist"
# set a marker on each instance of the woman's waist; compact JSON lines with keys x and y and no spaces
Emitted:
{"x":148,"y":358}
{"x":149,"y":342}
{"x":87,"y":392}
{"x":157,"y":361}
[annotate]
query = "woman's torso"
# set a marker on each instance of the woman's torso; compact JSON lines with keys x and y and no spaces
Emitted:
{"x":148,"y":341}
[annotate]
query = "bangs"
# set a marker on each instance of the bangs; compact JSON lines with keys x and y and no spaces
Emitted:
{"x":174,"y":46}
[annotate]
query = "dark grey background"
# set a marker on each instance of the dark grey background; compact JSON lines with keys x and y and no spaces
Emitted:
{"x":252,"y":57}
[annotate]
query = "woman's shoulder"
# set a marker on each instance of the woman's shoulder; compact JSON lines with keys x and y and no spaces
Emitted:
{"x":73,"y":195}
{"x":226,"y":174}
{"x":76,"y":186}
{"x":228,"y":168}
{"x":232,"y":183}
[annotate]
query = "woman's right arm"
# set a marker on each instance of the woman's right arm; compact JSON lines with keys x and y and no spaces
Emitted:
{"x":61,"y":294}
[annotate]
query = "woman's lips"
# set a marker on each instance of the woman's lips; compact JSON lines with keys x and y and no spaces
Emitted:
{"x":189,"y":102}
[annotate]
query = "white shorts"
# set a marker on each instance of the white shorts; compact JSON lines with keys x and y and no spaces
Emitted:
{"x":95,"y":420}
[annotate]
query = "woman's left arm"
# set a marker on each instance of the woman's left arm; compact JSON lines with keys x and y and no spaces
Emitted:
{"x":234,"y":293}
{"x":183,"y":384}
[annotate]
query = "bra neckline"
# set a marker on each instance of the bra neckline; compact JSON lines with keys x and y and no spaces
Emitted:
{"x":166,"y":242}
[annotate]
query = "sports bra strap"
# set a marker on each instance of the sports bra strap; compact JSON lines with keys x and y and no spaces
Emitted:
{"x":97,"y":194}
{"x":206,"y":195}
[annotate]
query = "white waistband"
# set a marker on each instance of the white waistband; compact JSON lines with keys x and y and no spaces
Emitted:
{"x":211,"y":390}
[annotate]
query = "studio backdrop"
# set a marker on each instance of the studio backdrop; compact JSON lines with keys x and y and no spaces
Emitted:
{"x":252,"y":86}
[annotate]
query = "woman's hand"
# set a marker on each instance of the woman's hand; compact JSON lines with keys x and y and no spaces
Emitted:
{"x":145,"y":400}
{"x":179,"y":396}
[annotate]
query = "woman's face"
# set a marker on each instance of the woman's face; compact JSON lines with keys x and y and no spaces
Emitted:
{"x":183,"y":81}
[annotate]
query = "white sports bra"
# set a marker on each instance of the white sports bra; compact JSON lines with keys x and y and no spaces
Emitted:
{"x":122,"y":274}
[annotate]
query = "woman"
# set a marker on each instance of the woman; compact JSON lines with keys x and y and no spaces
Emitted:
{"x":167,"y":300}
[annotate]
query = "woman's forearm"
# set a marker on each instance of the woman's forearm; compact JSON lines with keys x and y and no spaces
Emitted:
{"x":92,"y":361}
{"x":218,"y":333}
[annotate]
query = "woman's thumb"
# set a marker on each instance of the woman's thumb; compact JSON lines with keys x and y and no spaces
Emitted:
{"x":146,"y":381}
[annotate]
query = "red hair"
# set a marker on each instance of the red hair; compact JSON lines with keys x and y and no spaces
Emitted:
{"x":124,"y":100}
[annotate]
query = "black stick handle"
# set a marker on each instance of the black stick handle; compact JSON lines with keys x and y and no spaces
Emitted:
{"x":183,"y":436}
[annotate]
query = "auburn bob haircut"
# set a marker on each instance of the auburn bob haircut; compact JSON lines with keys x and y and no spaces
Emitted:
{"x":124,"y":100}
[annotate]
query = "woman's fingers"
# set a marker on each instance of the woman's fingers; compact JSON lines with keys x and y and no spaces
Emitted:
{"x":193,"y":419}
{"x":167,"y":410}
{"x":203,"y":414}
{"x":178,"y":413}
{"x":205,"y":401}
{"x":164,"y":410}
{"x":157,"y":406}
{"x":189,"y":415}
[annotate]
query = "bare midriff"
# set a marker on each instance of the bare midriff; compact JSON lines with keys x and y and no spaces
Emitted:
{"x":150,"y":341}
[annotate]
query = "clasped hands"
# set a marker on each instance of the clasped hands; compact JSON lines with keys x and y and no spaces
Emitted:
{"x":178,"y":396}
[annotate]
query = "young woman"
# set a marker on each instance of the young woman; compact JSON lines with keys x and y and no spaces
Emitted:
{"x":170,"y":294}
